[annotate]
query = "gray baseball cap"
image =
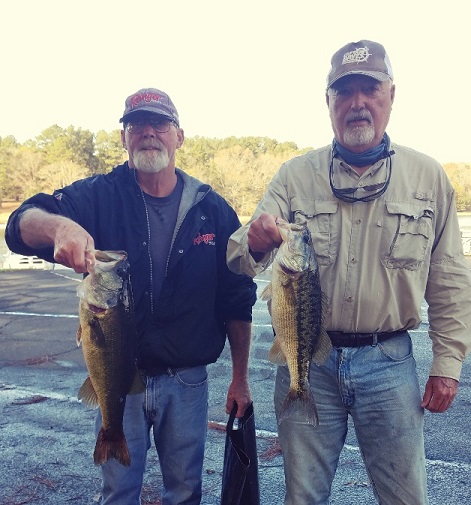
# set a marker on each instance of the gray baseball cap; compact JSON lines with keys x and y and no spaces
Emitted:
{"x":150,"y":100}
{"x":364,"y":57}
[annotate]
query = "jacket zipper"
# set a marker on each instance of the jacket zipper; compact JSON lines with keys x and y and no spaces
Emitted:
{"x":177,"y":228}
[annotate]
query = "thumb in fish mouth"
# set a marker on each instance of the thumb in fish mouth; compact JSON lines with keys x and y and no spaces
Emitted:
{"x":90,"y":259}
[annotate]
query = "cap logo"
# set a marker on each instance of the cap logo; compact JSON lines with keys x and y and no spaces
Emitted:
{"x":143,"y":97}
{"x":359,"y":55}
{"x":150,"y":100}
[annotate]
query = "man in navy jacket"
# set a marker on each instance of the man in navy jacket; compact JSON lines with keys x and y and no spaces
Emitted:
{"x":175,"y":230}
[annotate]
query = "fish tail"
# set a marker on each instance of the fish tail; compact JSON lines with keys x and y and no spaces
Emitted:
{"x":301,"y":402}
{"x":111,"y":444}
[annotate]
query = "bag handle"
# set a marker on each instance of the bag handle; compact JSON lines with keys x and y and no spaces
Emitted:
{"x":232,"y":416}
{"x":230,"y":423}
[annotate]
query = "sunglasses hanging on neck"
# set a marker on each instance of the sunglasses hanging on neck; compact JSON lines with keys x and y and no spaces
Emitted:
{"x":348,"y":194}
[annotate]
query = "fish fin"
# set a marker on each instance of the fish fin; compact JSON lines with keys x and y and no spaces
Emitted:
{"x":324,"y":344}
{"x":266,"y":294}
{"x":276,"y":355}
{"x":111,"y":444}
{"x":78,"y":335}
{"x":325,"y":302}
{"x":138,"y":385}
{"x":302,"y":403}
{"x":87,"y":394}
{"x":97,"y":335}
{"x":323,"y":348}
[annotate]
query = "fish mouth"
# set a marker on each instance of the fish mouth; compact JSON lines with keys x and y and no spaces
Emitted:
{"x":292,"y":272}
{"x":287,"y":270}
{"x":112,"y":259}
{"x":95,"y":309}
{"x":109,"y":256}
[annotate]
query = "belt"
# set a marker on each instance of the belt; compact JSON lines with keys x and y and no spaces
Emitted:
{"x":340,"y":339}
{"x":160,"y":370}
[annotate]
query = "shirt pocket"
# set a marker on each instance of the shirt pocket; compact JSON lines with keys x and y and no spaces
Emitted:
{"x":407,"y":232}
{"x":322,"y":221}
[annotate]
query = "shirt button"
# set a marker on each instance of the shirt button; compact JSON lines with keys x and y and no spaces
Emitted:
{"x":203,"y":218}
{"x":180,"y":251}
{"x":144,"y":243}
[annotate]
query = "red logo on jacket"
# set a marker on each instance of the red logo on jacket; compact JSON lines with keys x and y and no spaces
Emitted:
{"x":207,"y":238}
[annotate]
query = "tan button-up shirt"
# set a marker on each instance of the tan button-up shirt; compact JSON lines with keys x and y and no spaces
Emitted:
{"x":378,"y":260}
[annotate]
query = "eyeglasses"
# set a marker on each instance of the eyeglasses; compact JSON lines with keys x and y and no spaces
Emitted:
{"x":159,"y":126}
{"x":347,"y":194}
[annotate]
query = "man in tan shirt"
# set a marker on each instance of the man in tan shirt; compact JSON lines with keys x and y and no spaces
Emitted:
{"x":385,"y":231}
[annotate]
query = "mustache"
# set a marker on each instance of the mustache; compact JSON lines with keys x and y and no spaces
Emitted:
{"x":359,"y":116}
{"x":146,"y":144}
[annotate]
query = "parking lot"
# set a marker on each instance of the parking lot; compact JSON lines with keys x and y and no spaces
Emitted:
{"x":46,"y":435}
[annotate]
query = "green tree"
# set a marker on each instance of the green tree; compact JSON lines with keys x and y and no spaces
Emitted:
{"x":460,"y":177}
{"x":71,"y":144}
{"x":238,"y":168}
{"x":8,"y":148}
{"x":61,"y":173}
{"x":109,"y":150}
{"x":28,"y":175}
{"x":196,"y":155}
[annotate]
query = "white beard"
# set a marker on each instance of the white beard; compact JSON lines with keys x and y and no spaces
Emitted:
{"x":151,"y":161}
{"x":359,"y":136}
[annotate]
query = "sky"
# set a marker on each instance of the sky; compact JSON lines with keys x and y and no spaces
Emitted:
{"x":233,"y":68}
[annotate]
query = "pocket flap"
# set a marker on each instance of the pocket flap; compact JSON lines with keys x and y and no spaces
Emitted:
{"x":311,"y":208}
{"x":410,"y":209}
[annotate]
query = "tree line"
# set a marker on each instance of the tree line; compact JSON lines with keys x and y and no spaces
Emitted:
{"x":238,"y":168}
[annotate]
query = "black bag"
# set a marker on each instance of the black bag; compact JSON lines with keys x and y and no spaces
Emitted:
{"x":240,"y":471}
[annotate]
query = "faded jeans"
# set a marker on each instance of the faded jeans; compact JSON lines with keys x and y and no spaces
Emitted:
{"x":175,"y":406}
{"x":378,"y":387}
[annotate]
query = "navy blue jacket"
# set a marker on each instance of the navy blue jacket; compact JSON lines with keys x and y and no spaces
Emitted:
{"x":185,"y":326}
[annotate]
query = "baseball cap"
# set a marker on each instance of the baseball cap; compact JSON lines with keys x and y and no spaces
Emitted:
{"x":150,"y":100}
{"x":364,"y":57}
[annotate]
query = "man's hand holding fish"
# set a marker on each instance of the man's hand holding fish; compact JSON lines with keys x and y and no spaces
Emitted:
{"x":263,"y":235}
{"x":73,"y":245}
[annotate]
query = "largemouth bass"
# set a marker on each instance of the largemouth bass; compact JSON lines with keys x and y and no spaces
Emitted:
{"x":297,"y":307}
{"x":108,"y":336}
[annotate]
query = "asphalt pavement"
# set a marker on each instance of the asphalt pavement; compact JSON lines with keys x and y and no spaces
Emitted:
{"x":47,"y":438}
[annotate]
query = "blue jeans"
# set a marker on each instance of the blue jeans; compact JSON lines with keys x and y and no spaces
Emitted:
{"x":378,"y":387}
{"x":175,"y":406}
